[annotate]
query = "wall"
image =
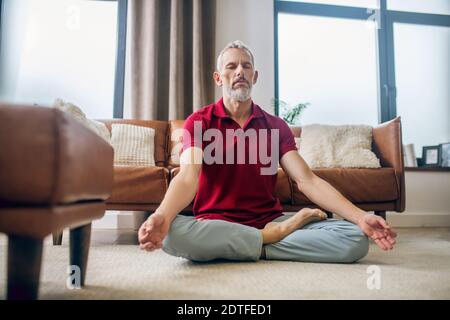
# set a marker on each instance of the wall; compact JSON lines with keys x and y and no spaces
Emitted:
{"x":427,"y":201}
{"x":252,"y":22}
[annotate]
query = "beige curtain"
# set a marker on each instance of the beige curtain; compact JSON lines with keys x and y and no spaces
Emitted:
{"x":172,"y":57}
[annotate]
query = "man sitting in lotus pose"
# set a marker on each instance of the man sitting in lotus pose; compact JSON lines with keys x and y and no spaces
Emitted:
{"x":236,"y":215}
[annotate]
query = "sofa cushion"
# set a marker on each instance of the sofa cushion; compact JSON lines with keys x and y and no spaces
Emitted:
{"x":48,"y":158}
{"x":133,"y":145}
{"x":357,"y":185}
{"x":139,"y":185}
{"x":160,"y":135}
{"x":282,"y":188}
{"x":344,"y":146}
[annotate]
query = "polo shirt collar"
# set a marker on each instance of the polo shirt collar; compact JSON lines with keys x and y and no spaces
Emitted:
{"x":219,"y":110}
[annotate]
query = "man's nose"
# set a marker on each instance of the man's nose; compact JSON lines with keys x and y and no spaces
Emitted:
{"x":239,"y":71}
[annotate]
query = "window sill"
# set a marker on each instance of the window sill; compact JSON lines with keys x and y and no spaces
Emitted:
{"x":429,"y":169}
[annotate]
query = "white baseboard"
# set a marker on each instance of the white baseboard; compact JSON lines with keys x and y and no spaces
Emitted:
{"x":416,"y":219}
{"x":120,"y":220}
{"x":109,"y":221}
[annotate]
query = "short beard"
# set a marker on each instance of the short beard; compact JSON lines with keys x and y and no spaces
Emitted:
{"x":240,"y":94}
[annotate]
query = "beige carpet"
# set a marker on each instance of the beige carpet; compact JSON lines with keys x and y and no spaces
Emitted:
{"x":419,"y":268}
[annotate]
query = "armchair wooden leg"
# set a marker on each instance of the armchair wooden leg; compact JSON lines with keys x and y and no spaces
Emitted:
{"x":381,"y":214}
{"x":57,"y":238}
{"x":80,"y":239}
{"x":24,"y":267}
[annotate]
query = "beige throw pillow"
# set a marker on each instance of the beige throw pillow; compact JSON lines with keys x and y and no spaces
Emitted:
{"x":133,"y":145}
{"x":345,"y":146}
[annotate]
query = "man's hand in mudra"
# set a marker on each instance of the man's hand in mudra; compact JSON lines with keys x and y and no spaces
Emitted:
{"x":377,"y":229}
{"x":153,"y":231}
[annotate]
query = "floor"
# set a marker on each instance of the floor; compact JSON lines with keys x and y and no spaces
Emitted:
{"x":419,"y":268}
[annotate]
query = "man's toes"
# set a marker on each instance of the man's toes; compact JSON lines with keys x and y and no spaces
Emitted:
{"x":320,"y":214}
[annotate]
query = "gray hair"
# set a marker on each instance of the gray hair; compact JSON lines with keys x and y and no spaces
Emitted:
{"x":236,"y":44}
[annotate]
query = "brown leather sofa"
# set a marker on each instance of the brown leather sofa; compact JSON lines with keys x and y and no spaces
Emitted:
{"x":377,"y":190}
{"x":54,"y":174}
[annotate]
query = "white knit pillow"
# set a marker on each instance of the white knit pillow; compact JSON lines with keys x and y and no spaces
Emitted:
{"x":133,"y":145}
{"x":345,"y":146}
{"x":98,"y":127}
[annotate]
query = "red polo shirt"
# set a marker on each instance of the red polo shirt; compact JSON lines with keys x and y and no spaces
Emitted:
{"x":238,"y":192}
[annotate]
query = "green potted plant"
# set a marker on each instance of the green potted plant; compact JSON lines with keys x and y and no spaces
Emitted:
{"x":289,"y":113}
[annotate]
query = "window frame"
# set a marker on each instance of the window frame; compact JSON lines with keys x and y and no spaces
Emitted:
{"x":119,"y":81}
{"x":1,"y":25}
{"x":387,"y":91}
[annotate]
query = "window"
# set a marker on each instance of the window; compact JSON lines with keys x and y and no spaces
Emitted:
{"x":335,"y":85}
{"x":422,"y":74}
{"x":66,"y":49}
{"x":428,"y":6}
{"x":357,"y":64}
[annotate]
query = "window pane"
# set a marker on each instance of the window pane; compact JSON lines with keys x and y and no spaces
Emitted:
{"x":428,"y":6}
{"x":59,"y":49}
{"x":349,"y":3}
{"x":422,"y":71}
{"x":330,"y":63}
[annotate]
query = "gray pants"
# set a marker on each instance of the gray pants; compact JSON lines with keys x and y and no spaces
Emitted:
{"x":329,"y":240}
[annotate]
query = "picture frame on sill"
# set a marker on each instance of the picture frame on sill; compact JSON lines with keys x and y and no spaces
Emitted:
{"x":444,"y":149}
{"x":431,"y":156}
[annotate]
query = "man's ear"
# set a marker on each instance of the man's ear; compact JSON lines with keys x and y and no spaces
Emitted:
{"x":255,"y":77}
{"x":217,"y":78}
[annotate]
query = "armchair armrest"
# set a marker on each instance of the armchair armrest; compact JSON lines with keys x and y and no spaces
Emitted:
{"x":387,"y":145}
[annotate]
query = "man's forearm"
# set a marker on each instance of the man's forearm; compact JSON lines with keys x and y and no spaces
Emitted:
{"x":179,"y":195}
{"x":327,"y":197}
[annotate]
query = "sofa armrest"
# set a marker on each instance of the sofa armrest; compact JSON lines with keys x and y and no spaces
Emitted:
{"x":50,"y":158}
{"x":388,"y":146}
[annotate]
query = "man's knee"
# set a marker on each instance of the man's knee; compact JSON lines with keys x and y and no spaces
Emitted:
{"x":182,"y":242}
{"x":177,"y":244}
{"x":355,"y":249}
{"x":355,"y":242}
{"x":212,"y":240}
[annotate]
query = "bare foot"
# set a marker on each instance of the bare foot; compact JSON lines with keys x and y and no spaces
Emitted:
{"x":275,"y":231}
{"x":153,"y":231}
